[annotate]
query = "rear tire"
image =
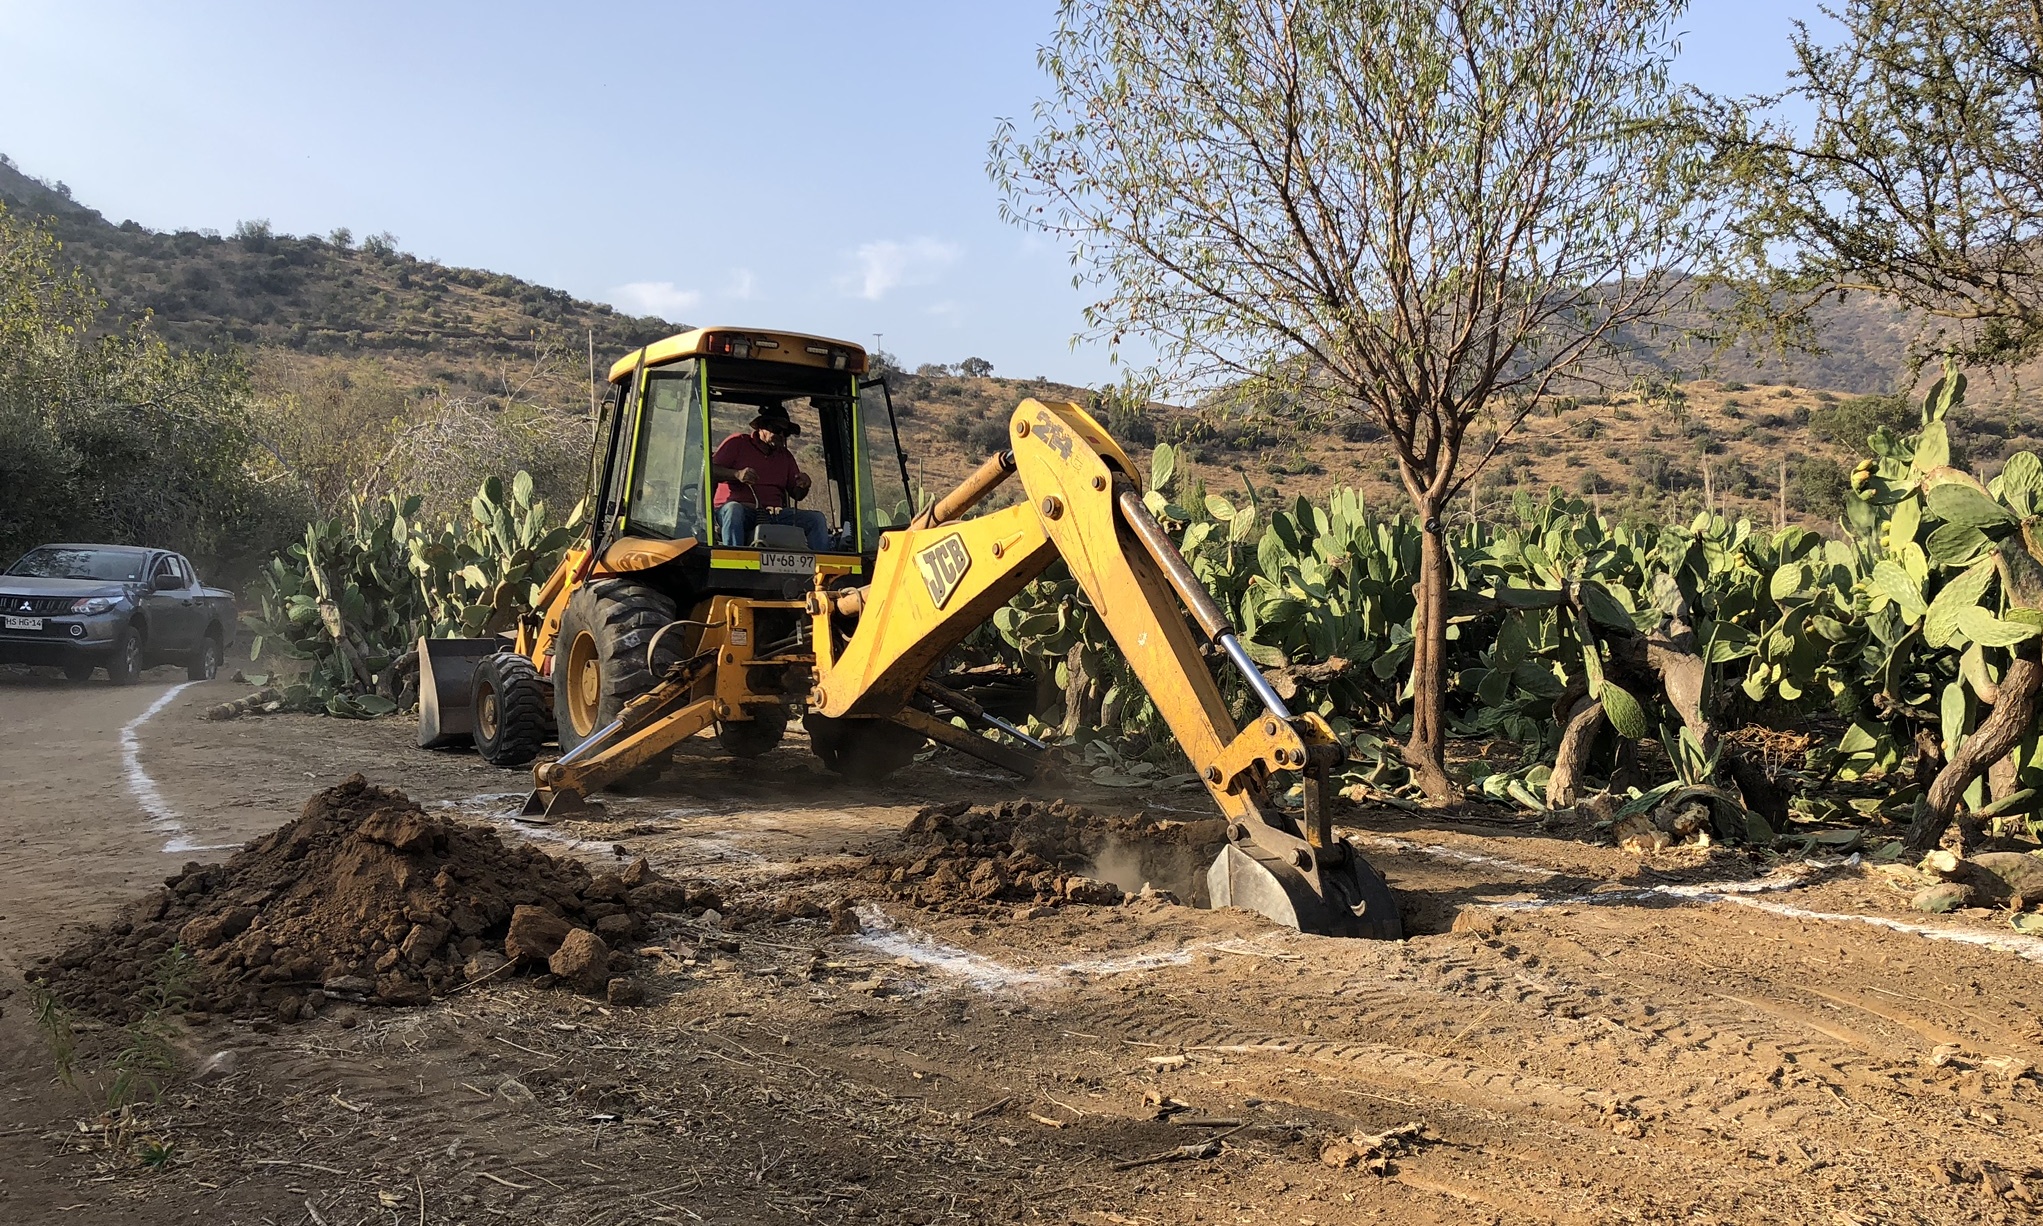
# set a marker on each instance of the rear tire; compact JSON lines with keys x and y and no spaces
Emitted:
{"x":862,"y":750}
{"x":752,"y":738}
{"x":599,"y":659}
{"x":205,"y":661}
{"x":511,"y":715}
{"x":124,"y":666}
{"x":79,"y":671}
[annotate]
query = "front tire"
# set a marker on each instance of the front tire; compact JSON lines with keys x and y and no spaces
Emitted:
{"x":599,"y":659}
{"x":205,"y":661}
{"x":511,"y":719}
{"x":862,"y":750}
{"x":124,"y":666}
{"x":79,"y":671}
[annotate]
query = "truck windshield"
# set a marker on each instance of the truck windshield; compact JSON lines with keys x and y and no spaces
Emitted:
{"x":58,"y":562}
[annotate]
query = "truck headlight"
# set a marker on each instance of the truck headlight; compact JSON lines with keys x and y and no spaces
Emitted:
{"x":93,"y":604}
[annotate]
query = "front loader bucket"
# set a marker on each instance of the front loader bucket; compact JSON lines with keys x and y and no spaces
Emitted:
{"x":1356,"y":902}
{"x":447,"y":689}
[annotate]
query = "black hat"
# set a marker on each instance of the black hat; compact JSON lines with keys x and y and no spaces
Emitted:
{"x":775,"y":417}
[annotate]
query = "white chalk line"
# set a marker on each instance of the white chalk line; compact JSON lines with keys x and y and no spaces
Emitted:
{"x":162,"y":818}
{"x":1792,"y":877}
{"x":883,"y":936}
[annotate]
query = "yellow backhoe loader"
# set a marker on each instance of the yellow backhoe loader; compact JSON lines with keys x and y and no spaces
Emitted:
{"x":675,"y":616}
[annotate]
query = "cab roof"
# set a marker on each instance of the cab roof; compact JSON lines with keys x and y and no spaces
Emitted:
{"x":794,"y":348}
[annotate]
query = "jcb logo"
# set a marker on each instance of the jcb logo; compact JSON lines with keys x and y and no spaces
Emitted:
{"x":943,"y":565}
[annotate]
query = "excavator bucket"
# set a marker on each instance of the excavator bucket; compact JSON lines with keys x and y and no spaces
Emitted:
{"x":1351,"y":901}
{"x":447,"y":689}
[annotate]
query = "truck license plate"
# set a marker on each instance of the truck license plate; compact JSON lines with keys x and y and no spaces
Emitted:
{"x":774,"y":562}
{"x":36,"y":623}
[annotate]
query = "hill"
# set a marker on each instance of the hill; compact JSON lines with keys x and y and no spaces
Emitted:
{"x":312,"y":295}
{"x":361,"y":333}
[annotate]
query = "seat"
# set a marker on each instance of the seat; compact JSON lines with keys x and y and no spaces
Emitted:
{"x":780,"y":536}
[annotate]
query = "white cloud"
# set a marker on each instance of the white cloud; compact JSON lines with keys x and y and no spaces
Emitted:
{"x":885,"y":265}
{"x":662,"y":298}
{"x":743,"y":285}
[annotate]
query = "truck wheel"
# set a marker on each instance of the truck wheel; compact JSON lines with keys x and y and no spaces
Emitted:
{"x":79,"y":670}
{"x":510,"y":710}
{"x":205,"y":661}
{"x":599,"y":660}
{"x":750,"y":738}
{"x":863,"y":750}
{"x":124,"y":666}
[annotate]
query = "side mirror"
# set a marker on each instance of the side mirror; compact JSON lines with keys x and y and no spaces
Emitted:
{"x":167,"y":582}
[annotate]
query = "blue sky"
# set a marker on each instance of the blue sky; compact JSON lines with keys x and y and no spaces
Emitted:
{"x":816,"y":166}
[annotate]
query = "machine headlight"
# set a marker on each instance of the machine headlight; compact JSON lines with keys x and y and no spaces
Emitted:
{"x":93,"y":604}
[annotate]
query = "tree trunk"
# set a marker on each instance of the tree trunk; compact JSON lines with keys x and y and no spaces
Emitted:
{"x":1081,"y":695}
{"x":1426,"y":752}
{"x":1564,"y":786}
{"x":2014,"y":713}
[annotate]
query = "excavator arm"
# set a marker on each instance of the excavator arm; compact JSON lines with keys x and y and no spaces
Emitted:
{"x":943,"y":576}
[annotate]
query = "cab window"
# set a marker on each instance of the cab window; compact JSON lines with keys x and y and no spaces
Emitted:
{"x":667,"y":465}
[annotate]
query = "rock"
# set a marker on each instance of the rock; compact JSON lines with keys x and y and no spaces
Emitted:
{"x":1637,"y":834}
{"x":605,"y":887}
{"x":622,"y":990}
{"x":1938,"y":899}
{"x":582,"y":961}
{"x":535,"y":934}
{"x":348,"y":985}
{"x":1163,"y":898}
{"x":639,"y":872}
{"x":658,"y":896}
{"x":422,"y":941}
{"x":1091,"y":892}
{"x":209,"y":931}
{"x":217,"y":1067}
{"x":844,"y":923}
{"x":616,"y":929}
{"x":399,"y":829}
{"x":483,"y":964}
{"x":399,"y":989}
{"x":2013,"y":877}
{"x":1036,"y":912}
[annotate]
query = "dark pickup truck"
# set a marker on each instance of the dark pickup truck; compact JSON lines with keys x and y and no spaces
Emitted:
{"x":122,"y":608}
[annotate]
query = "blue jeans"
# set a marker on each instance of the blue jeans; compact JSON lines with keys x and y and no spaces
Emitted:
{"x":735,"y":521}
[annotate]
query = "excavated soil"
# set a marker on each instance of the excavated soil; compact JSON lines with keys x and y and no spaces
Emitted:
{"x":366,"y":897}
{"x":963,"y":859}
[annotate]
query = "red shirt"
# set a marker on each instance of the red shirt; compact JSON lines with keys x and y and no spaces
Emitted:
{"x":775,"y":472}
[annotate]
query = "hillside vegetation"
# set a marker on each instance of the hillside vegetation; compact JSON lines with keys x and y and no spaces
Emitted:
{"x":368,"y":370}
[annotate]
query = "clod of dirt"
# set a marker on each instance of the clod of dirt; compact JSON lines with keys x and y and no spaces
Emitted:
{"x":985,"y":860}
{"x":367,"y":897}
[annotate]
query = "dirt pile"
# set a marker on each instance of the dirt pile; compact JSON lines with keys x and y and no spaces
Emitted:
{"x":989,"y":860}
{"x":366,"y":897}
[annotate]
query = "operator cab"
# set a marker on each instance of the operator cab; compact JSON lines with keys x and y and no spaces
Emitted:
{"x":679,"y":408}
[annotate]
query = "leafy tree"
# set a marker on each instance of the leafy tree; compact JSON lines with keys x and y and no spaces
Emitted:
{"x":1917,"y":178}
{"x":114,"y":437}
{"x":1422,"y":213}
{"x":1848,"y":423}
{"x":975,"y":368}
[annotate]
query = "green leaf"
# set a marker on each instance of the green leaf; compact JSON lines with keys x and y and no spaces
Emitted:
{"x":1984,"y":628}
{"x":1932,"y":448}
{"x":1219,"y":508}
{"x":1960,"y":503}
{"x":1943,"y":623}
{"x":1889,"y":580}
{"x":1957,"y":545}
{"x":1163,"y":464}
{"x":377,"y":704}
{"x":1623,"y":711}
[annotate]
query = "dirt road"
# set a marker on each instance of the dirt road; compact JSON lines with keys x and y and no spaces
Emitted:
{"x":1581,"y":1036}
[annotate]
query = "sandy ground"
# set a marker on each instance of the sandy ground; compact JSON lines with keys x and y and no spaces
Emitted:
{"x":1583,"y":1036}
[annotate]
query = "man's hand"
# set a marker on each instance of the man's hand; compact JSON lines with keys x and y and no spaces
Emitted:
{"x":746,"y":476}
{"x":799,"y":487}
